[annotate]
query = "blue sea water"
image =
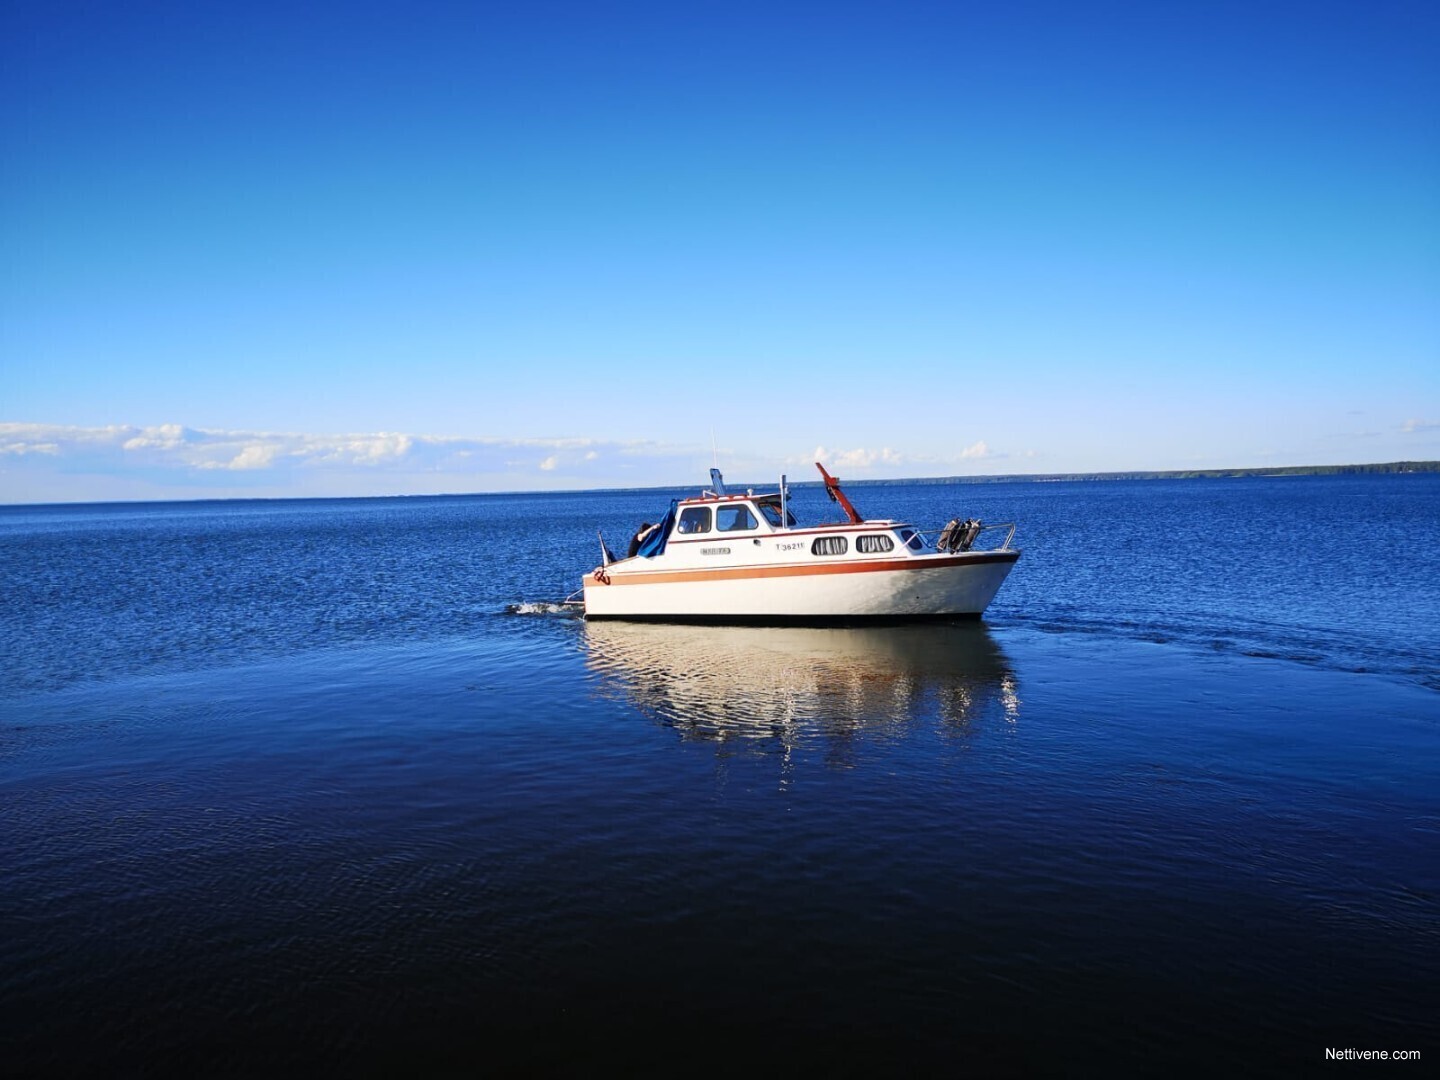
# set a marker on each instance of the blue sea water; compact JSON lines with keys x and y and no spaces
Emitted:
{"x":333,"y":786}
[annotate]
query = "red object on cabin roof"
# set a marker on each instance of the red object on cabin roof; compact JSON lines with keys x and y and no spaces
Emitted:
{"x":832,"y":488}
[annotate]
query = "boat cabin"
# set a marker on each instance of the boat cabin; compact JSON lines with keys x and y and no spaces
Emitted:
{"x":716,"y":515}
{"x":731,"y":513}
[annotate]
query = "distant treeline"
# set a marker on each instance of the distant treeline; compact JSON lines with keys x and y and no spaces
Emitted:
{"x":1173,"y":474}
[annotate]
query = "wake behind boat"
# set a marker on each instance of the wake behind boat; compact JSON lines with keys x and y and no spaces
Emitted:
{"x":739,"y":558}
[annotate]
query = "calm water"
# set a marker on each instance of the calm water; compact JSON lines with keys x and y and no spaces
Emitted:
{"x":326,"y":786}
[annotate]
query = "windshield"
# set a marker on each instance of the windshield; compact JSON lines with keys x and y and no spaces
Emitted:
{"x":771,"y":510}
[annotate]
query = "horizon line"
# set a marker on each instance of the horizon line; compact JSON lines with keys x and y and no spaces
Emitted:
{"x":1361,"y":468}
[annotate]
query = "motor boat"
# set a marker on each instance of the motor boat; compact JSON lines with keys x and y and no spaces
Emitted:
{"x":724,"y":557}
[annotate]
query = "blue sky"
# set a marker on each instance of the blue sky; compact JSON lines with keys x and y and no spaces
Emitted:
{"x":374,"y":248}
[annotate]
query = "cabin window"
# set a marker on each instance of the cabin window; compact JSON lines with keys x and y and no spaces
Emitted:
{"x":911,"y":539}
{"x":828,"y":545}
{"x":694,"y":519}
{"x":873,"y":545}
{"x":771,"y":510}
{"x":734,"y":519}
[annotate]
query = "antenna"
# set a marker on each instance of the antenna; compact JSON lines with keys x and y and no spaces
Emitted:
{"x":714,"y":453}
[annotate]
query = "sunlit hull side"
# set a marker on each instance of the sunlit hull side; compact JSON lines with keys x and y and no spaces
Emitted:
{"x":870,"y":590}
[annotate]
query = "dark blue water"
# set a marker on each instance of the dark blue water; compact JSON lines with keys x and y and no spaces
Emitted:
{"x":290,"y":787}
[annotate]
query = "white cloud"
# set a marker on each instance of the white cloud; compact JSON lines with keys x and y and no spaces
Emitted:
{"x":40,"y":457}
{"x":254,"y":457}
{"x":856,"y":459}
{"x":889,"y":460}
{"x":378,"y":449}
{"x":163,"y":437}
{"x":176,"y":446}
{"x":20,"y":448}
{"x":53,"y":439}
{"x":1419,"y":425}
{"x":47,"y":462}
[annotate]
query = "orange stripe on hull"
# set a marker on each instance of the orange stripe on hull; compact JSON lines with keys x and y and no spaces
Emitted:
{"x":744,"y":573}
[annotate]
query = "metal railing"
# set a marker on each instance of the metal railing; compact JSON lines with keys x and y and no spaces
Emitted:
{"x":931,"y":536}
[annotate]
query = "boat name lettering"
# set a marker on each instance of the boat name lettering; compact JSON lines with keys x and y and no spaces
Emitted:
{"x":714,"y":551}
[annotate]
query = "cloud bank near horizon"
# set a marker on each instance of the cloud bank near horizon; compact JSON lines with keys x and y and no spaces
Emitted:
{"x":177,"y":446}
{"x":53,"y":462}
{"x":885,"y":457}
{"x":59,"y":462}
{"x":40,"y":462}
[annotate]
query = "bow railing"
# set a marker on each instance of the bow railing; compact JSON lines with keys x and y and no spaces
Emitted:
{"x":931,"y":536}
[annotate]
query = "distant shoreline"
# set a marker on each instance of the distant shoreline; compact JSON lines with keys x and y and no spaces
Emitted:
{"x":1384,"y":468}
{"x":1174,"y":474}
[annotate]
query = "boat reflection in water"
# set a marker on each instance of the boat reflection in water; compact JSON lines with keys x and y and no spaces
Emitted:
{"x":799,"y":685}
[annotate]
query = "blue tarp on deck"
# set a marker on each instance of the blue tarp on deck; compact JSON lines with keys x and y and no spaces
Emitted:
{"x":655,"y":543}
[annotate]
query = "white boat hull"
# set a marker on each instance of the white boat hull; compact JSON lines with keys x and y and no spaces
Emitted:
{"x":900,"y":589}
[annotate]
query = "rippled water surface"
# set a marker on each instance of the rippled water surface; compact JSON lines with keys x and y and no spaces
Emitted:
{"x":337,"y":786}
